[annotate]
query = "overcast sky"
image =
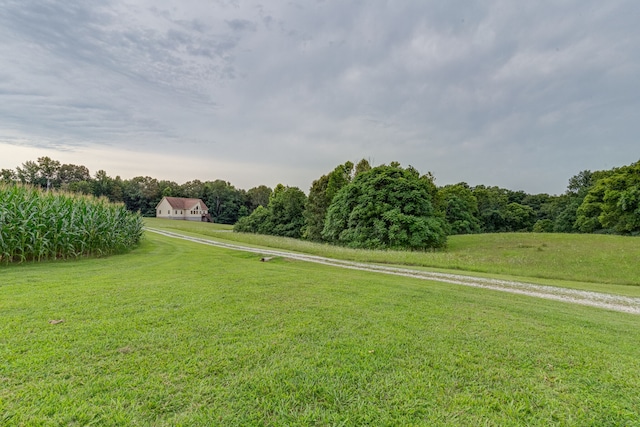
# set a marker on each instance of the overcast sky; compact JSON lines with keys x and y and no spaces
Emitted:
{"x":522,"y":95}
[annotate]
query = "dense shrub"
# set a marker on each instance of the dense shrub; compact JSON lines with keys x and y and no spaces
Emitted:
{"x":38,"y":225}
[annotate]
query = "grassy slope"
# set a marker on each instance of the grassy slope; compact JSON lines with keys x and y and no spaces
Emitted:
{"x":181,"y":334}
{"x":590,"y":262}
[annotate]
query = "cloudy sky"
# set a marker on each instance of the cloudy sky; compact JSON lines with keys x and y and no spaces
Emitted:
{"x":522,"y":95}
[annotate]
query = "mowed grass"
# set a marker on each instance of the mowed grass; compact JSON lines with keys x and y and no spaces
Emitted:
{"x":177,"y":333}
{"x":585,"y":261}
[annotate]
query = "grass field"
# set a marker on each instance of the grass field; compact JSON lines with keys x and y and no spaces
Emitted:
{"x":584,"y":261}
{"x":176,"y":333}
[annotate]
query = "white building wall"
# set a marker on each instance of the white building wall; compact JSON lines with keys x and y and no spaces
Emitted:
{"x":164,"y":210}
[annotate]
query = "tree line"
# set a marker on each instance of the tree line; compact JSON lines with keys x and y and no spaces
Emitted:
{"x":141,"y":194}
{"x":386,"y":206}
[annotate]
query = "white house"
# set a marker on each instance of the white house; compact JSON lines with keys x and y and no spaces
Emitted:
{"x":183,"y":208}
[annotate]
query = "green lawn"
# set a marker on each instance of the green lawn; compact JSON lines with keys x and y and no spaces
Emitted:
{"x":177,"y":333}
{"x":583,"y":261}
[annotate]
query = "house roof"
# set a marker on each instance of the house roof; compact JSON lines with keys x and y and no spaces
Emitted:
{"x":185,"y":203}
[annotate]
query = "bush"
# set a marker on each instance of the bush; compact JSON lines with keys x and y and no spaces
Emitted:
{"x":543,"y":226}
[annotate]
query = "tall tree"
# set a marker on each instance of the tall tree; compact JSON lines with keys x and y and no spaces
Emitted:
{"x":385,"y":207}
{"x":7,"y":175}
{"x":492,"y":208}
{"x":613,"y":202}
{"x":49,"y":171}
{"x":68,"y":173}
{"x":316,"y":209}
{"x":321,"y":194}
{"x":621,"y":204}
{"x":142,"y":193}
{"x":29,"y":173}
{"x":519,"y":217}
{"x":282,"y":217}
{"x":226,"y":203}
{"x":362,"y":166}
{"x":287,"y":211}
{"x":460,"y":208}
{"x":258,"y":196}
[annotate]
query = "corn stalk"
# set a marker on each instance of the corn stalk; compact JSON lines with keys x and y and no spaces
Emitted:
{"x":37,"y":225}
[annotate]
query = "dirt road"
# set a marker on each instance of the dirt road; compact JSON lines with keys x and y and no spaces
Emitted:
{"x":574,"y":296}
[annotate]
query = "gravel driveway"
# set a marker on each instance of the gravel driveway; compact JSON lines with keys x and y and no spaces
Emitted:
{"x":594,"y":299}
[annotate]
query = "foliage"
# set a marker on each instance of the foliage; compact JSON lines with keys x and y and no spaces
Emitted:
{"x":282,"y":217}
{"x":492,"y":208}
{"x":258,"y":222}
{"x":286,"y":206}
{"x":519,"y":217}
{"x":543,"y":226}
{"x":613,"y":203}
{"x":587,"y":214}
{"x":36,"y":225}
{"x":258,"y":196}
{"x":142,"y":193}
{"x":226,"y":204}
{"x":385,"y":207}
{"x":460,"y":208}
{"x":316,"y":210}
{"x":362,"y":166}
{"x":7,"y":176}
{"x":321,"y":194}
{"x":582,"y":208}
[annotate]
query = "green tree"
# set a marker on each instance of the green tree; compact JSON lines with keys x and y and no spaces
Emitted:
{"x":169,"y":188}
{"x":316,"y":209}
{"x":49,"y":171}
{"x":69,"y":173}
{"x":565,"y":213}
{"x":7,"y":175}
{"x":460,"y":208}
{"x":519,"y":217}
{"x":105,"y":186}
{"x":613,"y":203}
{"x":338,"y":178}
{"x":258,"y":196}
{"x":142,"y":193}
{"x":321,"y":194}
{"x":362,"y":166}
{"x":29,"y":173}
{"x":282,"y":217}
{"x":286,"y":205}
{"x":193,"y":189}
{"x":582,"y":207}
{"x":385,"y":207}
{"x":259,"y":221}
{"x":226,"y":204}
{"x":492,"y":208}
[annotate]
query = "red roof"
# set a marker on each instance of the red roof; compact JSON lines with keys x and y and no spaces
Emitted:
{"x":185,"y":203}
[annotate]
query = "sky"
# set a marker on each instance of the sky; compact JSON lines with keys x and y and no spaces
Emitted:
{"x":522,"y":95}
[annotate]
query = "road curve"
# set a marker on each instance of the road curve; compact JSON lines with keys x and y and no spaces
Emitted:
{"x":574,"y":296}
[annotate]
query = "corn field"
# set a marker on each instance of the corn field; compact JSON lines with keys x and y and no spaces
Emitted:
{"x":37,"y":225}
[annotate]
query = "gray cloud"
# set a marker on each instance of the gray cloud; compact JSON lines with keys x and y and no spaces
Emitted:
{"x":521,"y":95}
